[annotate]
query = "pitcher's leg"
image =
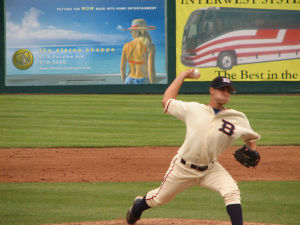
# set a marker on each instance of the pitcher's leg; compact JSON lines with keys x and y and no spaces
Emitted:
{"x":173,"y":183}
{"x":235,"y":213}
{"x":219,"y":180}
{"x":134,"y":213}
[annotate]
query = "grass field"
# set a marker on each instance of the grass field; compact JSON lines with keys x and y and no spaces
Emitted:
{"x":40,"y":203}
{"x":134,"y":120}
{"x":129,"y":120}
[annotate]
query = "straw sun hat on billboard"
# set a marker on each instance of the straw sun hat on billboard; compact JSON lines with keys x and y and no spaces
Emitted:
{"x":140,"y":24}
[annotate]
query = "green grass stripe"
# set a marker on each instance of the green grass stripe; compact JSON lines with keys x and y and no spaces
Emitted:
{"x":39,"y":203}
{"x":130,"y":120}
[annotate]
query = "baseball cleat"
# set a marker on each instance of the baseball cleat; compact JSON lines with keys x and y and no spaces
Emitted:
{"x":130,"y":217}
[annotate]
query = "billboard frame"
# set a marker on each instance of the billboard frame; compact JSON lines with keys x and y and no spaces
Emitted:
{"x":265,"y":87}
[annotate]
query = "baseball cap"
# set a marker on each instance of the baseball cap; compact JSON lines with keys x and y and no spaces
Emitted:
{"x":220,"y":82}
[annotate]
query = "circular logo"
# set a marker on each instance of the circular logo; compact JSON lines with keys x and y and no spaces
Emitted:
{"x":23,"y":59}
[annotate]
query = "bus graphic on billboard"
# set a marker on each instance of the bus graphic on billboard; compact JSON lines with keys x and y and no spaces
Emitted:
{"x":226,"y":37}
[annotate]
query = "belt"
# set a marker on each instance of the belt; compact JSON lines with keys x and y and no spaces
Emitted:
{"x":193,"y":166}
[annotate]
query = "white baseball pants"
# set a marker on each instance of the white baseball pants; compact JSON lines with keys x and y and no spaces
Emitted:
{"x":179,"y":178}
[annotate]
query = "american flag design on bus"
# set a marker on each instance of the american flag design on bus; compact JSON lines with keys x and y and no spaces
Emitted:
{"x":245,"y":46}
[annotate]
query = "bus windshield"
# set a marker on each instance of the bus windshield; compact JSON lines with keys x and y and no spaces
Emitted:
{"x":198,"y":29}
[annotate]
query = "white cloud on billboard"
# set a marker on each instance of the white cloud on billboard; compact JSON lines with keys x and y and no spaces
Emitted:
{"x":119,"y":27}
{"x":31,"y":18}
{"x":32,"y":32}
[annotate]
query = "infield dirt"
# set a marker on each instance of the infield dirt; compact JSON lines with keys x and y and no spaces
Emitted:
{"x":134,"y":164}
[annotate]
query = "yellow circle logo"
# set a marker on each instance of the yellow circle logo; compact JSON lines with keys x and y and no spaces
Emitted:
{"x":23,"y":59}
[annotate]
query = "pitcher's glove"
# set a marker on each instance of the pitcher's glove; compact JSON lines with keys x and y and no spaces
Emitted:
{"x":247,"y":157}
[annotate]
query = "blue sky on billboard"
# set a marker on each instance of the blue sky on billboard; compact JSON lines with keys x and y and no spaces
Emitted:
{"x":63,"y":22}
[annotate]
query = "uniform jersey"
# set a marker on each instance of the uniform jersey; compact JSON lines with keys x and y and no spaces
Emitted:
{"x":208,"y":134}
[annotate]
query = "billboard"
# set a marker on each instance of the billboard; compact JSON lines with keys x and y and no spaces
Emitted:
{"x":140,"y":46}
{"x":85,"y":42}
{"x":242,"y":40}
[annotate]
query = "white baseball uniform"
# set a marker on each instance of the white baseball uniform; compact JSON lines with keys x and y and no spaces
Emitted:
{"x":207,"y":136}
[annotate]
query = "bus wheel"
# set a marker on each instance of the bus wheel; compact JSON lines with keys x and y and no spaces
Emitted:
{"x":226,"y":60}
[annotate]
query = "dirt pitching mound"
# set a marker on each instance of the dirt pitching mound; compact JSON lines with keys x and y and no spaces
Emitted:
{"x":169,"y":221}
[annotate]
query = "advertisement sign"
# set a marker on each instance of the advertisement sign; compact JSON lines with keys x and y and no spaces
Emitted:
{"x":244,"y":40}
{"x":85,"y":42}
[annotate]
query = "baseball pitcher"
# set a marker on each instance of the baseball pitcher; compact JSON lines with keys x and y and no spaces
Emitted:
{"x":210,"y":130}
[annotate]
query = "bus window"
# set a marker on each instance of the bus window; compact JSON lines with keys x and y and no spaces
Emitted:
{"x":208,"y":27}
{"x":191,"y":31}
{"x":219,"y":25}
